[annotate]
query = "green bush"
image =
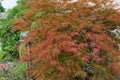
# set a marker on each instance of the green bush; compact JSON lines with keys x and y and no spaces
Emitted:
{"x":13,"y":71}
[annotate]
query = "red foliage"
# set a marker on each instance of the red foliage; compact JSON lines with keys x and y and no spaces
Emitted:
{"x":60,"y":68}
{"x":77,"y":31}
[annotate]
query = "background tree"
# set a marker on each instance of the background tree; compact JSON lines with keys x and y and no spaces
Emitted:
{"x":8,"y":37}
{"x":2,"y":9}
{"x":70,"y":41}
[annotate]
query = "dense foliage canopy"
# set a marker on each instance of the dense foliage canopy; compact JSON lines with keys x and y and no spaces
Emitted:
{"x":70,"y":40}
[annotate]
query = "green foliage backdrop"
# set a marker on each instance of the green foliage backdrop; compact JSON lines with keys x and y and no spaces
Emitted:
{"x":8,"y":37}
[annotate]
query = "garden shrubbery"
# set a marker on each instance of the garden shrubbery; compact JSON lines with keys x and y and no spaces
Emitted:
{"x":13,"y":71}
{"x":65,"y":40}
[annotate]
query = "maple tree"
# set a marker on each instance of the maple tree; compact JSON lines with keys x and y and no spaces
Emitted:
{"x":70,"y":40}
